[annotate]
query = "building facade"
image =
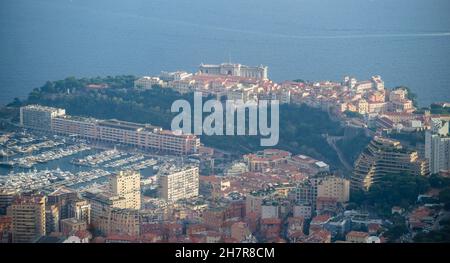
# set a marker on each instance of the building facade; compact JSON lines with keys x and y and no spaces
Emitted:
{"x":81,"y":210}
{"x":6,"y":199}
{"x":382,"y":157}
{"x":334,"y":187}
{"x":259,"y":72}
{"x":72,"y":225}
{"x":146,"y":82}
{"x":143,"y":136}
{"x":268,"y":158}
{"x":127,"y":184}
{"x":102,"y":203}
{"x":51,"y":219}
{"x":179,"y":184}
{"x":39,"y":117}
{"x":437,"y":146}
{"x":120,"y":221}
{"x":28,"y":218}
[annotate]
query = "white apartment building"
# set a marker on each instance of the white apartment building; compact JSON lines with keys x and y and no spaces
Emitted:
{"x":334,"y":187}
{"x":144,"y":136}
{"x":39,"y":117}
{"x":270,"y":209}
{"x":174,"y":76}
{"x":147,"y":82}
{"x":437,"y":146}
{"x":302,"y":210}
{"x":127,"y":184}
{"x":179,"y":183}
{"x":241,"y":92}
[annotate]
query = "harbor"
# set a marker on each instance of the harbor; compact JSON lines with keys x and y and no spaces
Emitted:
{"x":50,"y":180}
{"x":30,"y":163}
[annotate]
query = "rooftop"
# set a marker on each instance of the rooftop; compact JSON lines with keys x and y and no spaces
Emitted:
{"x":357,"y":234}
{"x":41,"y":108}
{"x":127,"y":125}
{"x":321,"y":219}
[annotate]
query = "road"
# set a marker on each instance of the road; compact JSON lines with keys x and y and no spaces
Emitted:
{"x":331,"y":140}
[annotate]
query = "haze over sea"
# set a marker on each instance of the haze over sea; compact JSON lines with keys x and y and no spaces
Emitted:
{"x":407,"y":42}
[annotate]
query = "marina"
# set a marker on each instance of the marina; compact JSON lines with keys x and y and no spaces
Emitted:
{"x":48,"y":180}
{"x":98,"y":158}
{"x":31,"y":160}
{"x":30,"y":163}
{"x":114,"y":159}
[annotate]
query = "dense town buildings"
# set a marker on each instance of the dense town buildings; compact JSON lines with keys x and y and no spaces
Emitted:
{"x":268,"y":158}
{"x":120,"y":221}
{"x":369,"y":98}
{"x":124,"y":192}
{"x":270,"y":195}
{"x":101,"y":203}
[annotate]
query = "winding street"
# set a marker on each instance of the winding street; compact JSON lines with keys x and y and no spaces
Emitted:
{"x":331,"y":140}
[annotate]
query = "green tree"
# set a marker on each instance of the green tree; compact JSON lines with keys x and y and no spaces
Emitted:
{"x":444,"y":197}
{"x":15,"y":103}
{"x":395,"y":232}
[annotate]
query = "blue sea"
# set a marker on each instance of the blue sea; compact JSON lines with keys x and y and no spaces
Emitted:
{"x":407,"y":42}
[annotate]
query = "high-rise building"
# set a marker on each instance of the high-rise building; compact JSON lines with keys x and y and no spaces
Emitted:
{"x":51,"y":219}
{"x":101,"y":203}
{"x":127,"y":184}
{"x":255,"y":200}
{"x":62,"y":198}
{"x":321,"y":185}
{"x":6,"y":198}
{"x":259,"y":72}
{"x":120,"y":221}
{"x":125,"y":193}
{"x":28,"y":218}
{"x":81,"y":210}
{"x":304,"y":193}
{"x":39,"y":117}
{"x":334,"y":187}
{"x":382,"y":157}
{"x":180,"y":183}
{"x":5,"y":229}
{"x":270,"y":209}
{"x":437,"y":146}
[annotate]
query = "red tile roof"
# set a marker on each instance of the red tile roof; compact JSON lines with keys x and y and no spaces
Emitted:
{"x":320,"y":219}
{"x":270,"y":221}
{"x":357,"y":234}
